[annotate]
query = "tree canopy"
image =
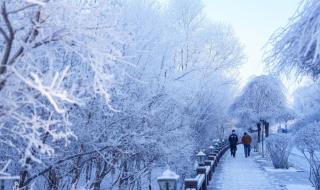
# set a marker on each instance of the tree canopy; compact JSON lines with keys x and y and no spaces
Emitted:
{"x":262,"y":98}
{"x":296,"y":47}
{"x":105,"y":92}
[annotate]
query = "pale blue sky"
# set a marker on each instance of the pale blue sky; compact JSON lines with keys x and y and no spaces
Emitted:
{"x":253,"y":21}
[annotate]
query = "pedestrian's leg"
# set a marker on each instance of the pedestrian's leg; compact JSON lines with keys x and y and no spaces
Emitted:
{"x":245,"y":150}
{"x":247,"y":153}
{"x":249,"y":150}
{"x":234,"y":151}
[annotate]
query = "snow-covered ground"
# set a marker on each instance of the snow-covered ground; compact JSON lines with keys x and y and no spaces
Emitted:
{"x":239,"y":173}
{"x":255,"y":172}
{"x":294,"y":178}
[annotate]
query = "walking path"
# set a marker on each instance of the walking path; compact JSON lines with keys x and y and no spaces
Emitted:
{"x":240,"y":173}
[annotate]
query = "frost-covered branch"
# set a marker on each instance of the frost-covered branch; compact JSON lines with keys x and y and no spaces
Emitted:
{"x":262,"y":98}
{"x":296,"y":46}
{"x":4,"y":175}
{"x":53,"y":92}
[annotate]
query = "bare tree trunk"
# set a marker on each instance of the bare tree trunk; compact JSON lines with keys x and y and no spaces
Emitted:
{"x":314,"y":170}
{"x":101,"y":171}
{"x":2,"y":185}
{"x":149,"y":178}
{"x":96,"y":184}
{"x":88,"y":171}
{"x":259,"y":132}
{"x":54,"y":180}
{"x":139,"y":185}
{"x":77,"y":171}
{"x":23,"y":176}
{"x":266,"y":125}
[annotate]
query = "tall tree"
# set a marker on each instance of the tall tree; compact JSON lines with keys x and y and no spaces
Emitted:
{"x":51,"y":61}
{"x":296,"y":48}
{"x":261,"y":101}
{"x":137,"y":95}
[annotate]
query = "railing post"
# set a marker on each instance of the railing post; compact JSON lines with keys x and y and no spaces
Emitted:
{"x":206,"y":167}
{"x":203,"y":170}
{"x":211,"y":165}
{"x":190,"y":184}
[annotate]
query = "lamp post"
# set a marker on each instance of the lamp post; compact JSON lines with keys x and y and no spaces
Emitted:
{"x":262,"y":140}
{"x":168,"y":180}
{"x":201,"y":157}
{"x":211,"y":149}
{"x":216,"y":143}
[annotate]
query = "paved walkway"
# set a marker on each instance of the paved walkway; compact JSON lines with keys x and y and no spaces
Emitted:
{"x":239,"y":173}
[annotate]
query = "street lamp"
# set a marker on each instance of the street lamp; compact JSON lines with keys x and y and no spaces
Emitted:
{"x":216,"y":143}
{"x":168,"y":180}
{"x":201,"y":157}
{"x":211,"y":149}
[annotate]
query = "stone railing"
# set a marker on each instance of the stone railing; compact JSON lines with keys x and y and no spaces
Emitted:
{"x":207,"y":164}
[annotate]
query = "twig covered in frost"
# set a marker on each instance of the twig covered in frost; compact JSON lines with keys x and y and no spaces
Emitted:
{"x":4,"y":175}
{"x":308,"y":142}
{"x":296,"y":46}
{"x":54,"y":92}
{"x":262,"y":98}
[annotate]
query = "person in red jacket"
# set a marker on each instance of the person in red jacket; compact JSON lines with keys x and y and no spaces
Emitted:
{"x":246,"y":141}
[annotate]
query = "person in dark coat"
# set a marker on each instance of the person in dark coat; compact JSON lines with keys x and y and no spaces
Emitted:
{"x":233,"y":141}
{"x":246,"y":141}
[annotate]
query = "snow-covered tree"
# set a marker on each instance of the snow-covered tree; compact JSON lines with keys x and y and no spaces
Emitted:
{"x":50,"y":61}
{"x":262,"y":100}
{"x":296,"y":46}
{"x":306,"y":127}
{"x":129,"y":96}
{"x":307,"y":104}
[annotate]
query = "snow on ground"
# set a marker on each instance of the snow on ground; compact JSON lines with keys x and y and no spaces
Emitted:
{"x":295,"y":178}
{"x":299,"y":187}
{"x":239,"y":173}
{"x":297,"y":159}
{"x":272,"y":169}
{"x":254,"y":173}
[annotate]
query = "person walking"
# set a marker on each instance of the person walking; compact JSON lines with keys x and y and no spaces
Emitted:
{"x":233,"y":141}
{"x":246,"y":141}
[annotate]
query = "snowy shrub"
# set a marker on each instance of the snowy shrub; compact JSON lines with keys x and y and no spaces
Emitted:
{"x":279,"y":147}
{"x":308,"y":141}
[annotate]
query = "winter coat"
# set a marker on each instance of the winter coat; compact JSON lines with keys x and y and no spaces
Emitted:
{"x":246,"y":139}
{"x":233,"y":140}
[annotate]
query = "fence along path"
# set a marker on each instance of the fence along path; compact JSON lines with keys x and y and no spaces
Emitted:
{"x":206,"y":168}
